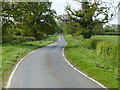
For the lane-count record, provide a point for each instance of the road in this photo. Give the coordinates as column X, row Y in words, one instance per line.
column 46, row 68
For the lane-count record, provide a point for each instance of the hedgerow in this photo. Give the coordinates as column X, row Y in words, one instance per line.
column 16, row 39
column 91, row 43
column 107, row 50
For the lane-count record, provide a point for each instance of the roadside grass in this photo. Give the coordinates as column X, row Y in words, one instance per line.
column 90, row 63
column 107, row 38
column 12, row 53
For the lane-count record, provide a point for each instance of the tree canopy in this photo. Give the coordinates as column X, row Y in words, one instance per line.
column 34, row 19
column 89, row 17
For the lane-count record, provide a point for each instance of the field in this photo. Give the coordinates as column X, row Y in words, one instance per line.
column 12, row 53
column 90, row 63
column 107, row 38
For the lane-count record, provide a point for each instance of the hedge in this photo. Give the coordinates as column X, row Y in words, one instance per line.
column 109, row 50
column 90, row 43
column 16, row 39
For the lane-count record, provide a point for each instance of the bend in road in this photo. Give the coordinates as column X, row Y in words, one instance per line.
column 46, row 68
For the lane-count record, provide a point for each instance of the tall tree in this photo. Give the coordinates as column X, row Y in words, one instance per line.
column 34, row 18
column 89, row 16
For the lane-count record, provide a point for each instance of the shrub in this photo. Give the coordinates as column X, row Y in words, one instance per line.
column 6, row 39
column 108, row 50
column 90, row 43
column 16, row 39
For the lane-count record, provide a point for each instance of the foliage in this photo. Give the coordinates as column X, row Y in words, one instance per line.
column 16, row 39
column 104, row 47
column 12, row 53
column 91, row 43
column 113, row 28
column 33, row 19
column 87, row 17
column 94, row 65
column 109, row 50
column 71, row 28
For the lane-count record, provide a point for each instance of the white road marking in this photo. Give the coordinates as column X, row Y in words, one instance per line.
column 11, row 76
column 82, row 72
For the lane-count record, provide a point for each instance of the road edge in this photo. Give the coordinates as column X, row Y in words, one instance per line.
column 16, row 66
column 81, row 71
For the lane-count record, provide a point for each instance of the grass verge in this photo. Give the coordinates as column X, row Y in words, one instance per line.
column 12, row 53
column 90, row 63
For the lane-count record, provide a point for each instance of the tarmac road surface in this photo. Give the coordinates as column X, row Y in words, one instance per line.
column 46, row 68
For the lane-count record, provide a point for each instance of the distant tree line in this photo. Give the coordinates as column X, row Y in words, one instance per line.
column 111, row 28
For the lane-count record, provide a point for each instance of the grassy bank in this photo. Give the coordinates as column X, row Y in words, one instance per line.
column 107, row 38
column 90, row 63
column 12, row 53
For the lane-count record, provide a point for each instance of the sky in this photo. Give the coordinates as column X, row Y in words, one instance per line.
column 59, row 6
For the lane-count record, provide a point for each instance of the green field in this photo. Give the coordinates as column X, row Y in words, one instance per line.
column 107, row 38
column 12, row 53
column 90, row 63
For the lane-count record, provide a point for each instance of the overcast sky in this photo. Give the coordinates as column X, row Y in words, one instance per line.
column 59, row 6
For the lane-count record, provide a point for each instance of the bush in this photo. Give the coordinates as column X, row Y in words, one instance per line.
column 108, row 50
column 90, row 43
column 6, row 39
column 16, row 39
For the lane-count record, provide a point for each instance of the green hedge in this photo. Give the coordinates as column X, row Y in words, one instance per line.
column 16, row 39
column 109, row 50
column 90, row 43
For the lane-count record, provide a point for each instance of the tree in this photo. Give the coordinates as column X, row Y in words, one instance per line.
column 107, row 28
column 33, row 18
column 88, row 17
